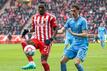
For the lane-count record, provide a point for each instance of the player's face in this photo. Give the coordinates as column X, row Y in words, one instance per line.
column 74, row 12
column 41, row 9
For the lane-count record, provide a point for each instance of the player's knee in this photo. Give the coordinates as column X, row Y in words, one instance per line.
column 62, row 61
column 23, row 44
column 77, row 61
column 30, row 42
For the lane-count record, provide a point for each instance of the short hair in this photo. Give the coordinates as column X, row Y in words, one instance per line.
column 42, row 3
column 76, row 6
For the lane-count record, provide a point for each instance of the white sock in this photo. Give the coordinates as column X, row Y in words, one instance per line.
column 32, row 62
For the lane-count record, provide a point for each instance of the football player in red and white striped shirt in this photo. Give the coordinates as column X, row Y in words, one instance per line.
column 45, row 28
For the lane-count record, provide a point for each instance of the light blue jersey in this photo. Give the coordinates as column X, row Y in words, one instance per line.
column 77, row 27
column 101, row 33
column 80, row 44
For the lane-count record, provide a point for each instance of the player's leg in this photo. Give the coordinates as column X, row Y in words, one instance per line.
column 63, row 62
column 80, row 58
column 102, row 41
column 44, row 56
column 44, row 62
column 31, row 63
column 69, row 54
column 78, row 65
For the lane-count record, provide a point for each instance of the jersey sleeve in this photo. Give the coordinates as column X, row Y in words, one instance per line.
column 84, row 25
column 67, row 24
column 53, row 22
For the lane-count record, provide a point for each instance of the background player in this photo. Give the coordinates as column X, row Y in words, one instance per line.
column 101, row 34
column 44, row 25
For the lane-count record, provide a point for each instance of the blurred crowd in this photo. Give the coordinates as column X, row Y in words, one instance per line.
column 2, row 2
column 16, row 16
column 95, row 11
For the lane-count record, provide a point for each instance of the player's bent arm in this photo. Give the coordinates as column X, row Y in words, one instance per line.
column 83, row 34
column 61, row 30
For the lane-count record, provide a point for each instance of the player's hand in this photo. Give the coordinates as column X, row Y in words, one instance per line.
column 48, row 41
column 25, row 32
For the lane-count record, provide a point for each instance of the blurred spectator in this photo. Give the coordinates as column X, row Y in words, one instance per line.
column 2, row 3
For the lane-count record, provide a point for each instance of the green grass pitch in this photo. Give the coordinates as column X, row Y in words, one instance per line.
column 12, row 58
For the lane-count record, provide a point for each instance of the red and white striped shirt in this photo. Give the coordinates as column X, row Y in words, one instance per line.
column 43, row 26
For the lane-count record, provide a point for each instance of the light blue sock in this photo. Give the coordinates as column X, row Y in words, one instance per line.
column 63, row 67
column 102, row 44
column 79, row 67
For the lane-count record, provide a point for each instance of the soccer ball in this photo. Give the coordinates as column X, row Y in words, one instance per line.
column 29, row 50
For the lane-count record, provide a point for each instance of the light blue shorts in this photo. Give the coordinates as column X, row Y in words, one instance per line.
column 101, row 38
column 71, row 54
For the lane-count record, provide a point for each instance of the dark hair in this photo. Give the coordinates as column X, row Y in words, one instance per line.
column 42, row 3
column 76, row 6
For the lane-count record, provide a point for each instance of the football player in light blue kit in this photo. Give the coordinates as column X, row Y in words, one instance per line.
column 78, row 49
column 101, row 34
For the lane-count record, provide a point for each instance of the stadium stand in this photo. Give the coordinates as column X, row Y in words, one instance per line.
column 2, row 3
column 16, row 16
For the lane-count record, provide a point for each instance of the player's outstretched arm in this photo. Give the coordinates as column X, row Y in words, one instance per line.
column 60, row 31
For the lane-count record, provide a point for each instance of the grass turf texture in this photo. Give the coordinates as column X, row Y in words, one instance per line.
column 12, row 58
